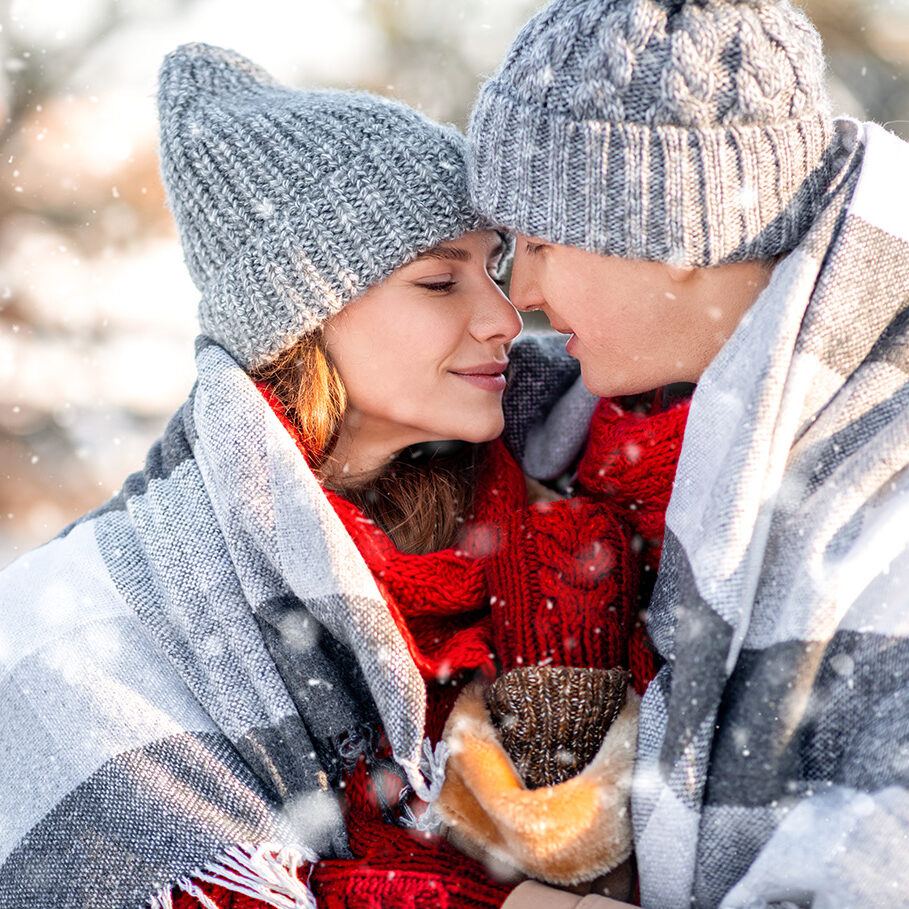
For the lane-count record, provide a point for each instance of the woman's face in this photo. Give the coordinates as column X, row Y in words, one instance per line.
column 422, row 355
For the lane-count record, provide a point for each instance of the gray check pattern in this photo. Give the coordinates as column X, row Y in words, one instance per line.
column 773, row 763
column 186, row 672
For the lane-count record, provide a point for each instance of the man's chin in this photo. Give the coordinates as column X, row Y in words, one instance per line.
column 600, row 385
column 611, row 385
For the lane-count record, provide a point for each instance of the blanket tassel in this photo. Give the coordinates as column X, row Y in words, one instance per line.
column 266, row 873
column 427, row 777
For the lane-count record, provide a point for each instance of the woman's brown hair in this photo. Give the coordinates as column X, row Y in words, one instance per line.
column 419, row 499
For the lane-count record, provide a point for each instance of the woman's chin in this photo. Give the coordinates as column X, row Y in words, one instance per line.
column 485, row 432
column 477, row 430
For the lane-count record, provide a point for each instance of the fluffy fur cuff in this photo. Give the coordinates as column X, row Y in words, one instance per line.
column 564, row 834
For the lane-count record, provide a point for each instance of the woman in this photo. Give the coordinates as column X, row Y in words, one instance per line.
column 240, row 664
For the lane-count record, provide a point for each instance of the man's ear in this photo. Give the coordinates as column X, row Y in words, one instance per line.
column 680, row 273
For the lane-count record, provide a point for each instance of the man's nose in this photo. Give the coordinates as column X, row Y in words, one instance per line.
column 524, row 290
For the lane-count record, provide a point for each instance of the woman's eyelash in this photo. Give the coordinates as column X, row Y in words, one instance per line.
column 439, row 286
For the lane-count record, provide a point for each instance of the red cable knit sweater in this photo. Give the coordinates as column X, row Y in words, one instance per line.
column 560, row 583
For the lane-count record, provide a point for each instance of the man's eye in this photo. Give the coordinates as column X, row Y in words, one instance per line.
column 532, row 248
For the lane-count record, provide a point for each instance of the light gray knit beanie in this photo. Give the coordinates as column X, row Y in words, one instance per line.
column 687, row 131
column 292, row 203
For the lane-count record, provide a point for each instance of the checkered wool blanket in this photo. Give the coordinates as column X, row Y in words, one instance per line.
column 186, row 672
column 774, row 745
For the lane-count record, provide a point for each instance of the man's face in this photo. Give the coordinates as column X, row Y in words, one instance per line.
column 634, row 325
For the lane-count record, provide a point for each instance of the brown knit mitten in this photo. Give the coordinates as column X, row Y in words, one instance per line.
column 552, row 719
column 564, row 834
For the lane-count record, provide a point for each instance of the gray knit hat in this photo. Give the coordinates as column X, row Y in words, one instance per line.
column 292, row 203
column 684, row 131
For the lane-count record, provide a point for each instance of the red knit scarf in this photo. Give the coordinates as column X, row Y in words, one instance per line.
column 561, row 580
column 630, row 462
column 440, row 600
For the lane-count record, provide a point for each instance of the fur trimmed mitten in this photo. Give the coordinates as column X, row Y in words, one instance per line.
column 563, row 834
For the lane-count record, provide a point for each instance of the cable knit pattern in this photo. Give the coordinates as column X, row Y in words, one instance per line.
column 564, row 578
column 564, row 585
column 292, row 203
column 688, row 131
column 630, row 461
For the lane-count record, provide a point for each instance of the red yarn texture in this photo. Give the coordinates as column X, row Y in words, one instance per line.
column 545, row 583
column 630, row 464
column 397, row 867
column 563, row 587
column 440, row 600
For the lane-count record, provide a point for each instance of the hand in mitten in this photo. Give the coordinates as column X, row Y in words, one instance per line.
column 563, row 834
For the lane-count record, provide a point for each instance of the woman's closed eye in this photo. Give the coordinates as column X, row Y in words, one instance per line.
column 437, row 283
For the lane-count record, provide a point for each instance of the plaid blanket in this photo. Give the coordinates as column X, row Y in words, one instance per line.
column 774, row 745
column 186, row 672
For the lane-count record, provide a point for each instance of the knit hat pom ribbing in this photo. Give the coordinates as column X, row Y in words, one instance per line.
column 292, row 203
column 689, row 131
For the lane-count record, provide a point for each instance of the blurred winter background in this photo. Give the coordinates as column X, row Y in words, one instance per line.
column 97, row 313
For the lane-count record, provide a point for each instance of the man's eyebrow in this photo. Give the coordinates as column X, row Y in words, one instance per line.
column 452, row 253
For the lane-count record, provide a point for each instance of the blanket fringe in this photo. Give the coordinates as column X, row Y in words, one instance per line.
column 267, row 873
column 426, row 821
column 427, row 777
column 162, row 900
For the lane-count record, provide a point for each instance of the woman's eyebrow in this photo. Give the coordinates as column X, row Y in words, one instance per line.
column 452, row 253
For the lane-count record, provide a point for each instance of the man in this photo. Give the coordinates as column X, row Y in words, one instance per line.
column 687, row 209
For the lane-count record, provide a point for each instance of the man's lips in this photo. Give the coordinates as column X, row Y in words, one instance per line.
column 489, row 376
column 571, row 343
column 565, row 330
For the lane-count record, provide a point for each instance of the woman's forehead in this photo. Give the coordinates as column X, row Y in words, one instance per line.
column 459, row 249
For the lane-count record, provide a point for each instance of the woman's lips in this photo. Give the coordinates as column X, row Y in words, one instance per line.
column 488, row 376
column 570, row 345
column 490, row 383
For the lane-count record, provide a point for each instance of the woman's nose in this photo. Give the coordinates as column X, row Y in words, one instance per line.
column 495, row 318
